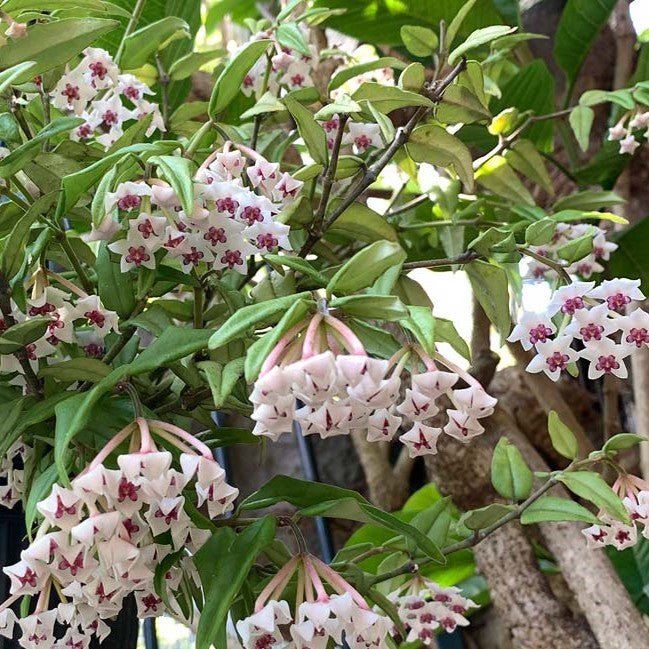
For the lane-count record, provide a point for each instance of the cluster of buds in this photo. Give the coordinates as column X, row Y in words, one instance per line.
column 75, row 318
column 320, row 376
column 12, row 472
column 623, row 131
column 102, row 538
column 96, row 91
column 232, row 217
column 634, row 493
column 319, row 616
column 595, row 316
column 564, row 233
column 425, row 608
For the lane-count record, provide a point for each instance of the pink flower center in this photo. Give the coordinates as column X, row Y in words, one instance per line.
column 232, row 258
column 215, row 235
column 248, row 81
column 172, row 242
column 127, row 489
column 94, row 350
column 539, row 333
column 171, row 516
column 267, row 241
column 131, row 92
column 137, row 255
column 252, row 214
column 557, row 361
column 84, row 131
column 146, row 228
column 28, row 578
column 110, row 118
column 362, row 141
column 617, row 302
column 71, row 92
column 129, row 202
column 61, row 509
column 227, row 205
column 98, row 69
column 41, row 310
column 622, row 536
column 423, row 442
column 95, row 317
column 638, row 336
column 194, row 257
column 591, row 331
column 297, row 80
column 571, row 305
column 607, row 364
column 151, row 602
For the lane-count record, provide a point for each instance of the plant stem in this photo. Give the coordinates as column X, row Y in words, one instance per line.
column 553, row 265
column 45, row 99
column 130, row 28
column 195, row 139
column 256, row 126
column 88, row 286
column 435, row 93
column 463, row 258
column 409, row 205
column 198, row 307
column 163, row 81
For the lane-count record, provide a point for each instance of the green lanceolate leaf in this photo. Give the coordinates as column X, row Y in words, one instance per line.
column 228, row 84
column 12, row 255
column 18, row 71
column 142, row 43
column 259, row 350
column 52, row 44
column 223, row 564
column 525, row 158
column 622, row 441
column 251, row 317
column 433, row 144
column 421, row 324
column 479, row 519
column 581, row 121
column 510, row 476
column 311, row 132
column 419, row 41
column 346, row 73
column 361, row 222
column 19, row 157
column 371, row 306
column 489, row 283
column 540, row 232
column 552, row 509
column 445, row 332
column 179, row 172
column 289, row 35
column 365, row 267
column 563, row 439
column 389, row 98
column 591, row 486
column 22, row 334
column 116, row 289
column 477, row 38
column 186, row 65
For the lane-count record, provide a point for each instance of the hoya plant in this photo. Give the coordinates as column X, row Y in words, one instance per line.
column 172, row 261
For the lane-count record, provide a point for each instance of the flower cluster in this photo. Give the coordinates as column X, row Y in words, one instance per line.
column 103, row 537
column 565, row 233
column 620, row 534
column 75, row 318
column 12, row 472
column 319, row 375
column 228, row 222
column 319, row 616
column 97, row 92
column 362, row 136
column 425, row 608
column 623, row 133
column 595, row 316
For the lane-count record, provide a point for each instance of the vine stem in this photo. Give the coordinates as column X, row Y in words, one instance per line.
column 435, row 93
column 463, row 258
column 130, row 28
column 163, row 81
column 88, row 286
column 471, row 541
column 556, row 267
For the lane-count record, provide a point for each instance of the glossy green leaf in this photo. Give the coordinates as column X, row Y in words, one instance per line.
column 477, row 38
column 228, row 84
column 622, row 441
column 479, row 519
column 12, row 254
column 563, row 439
column 22, row 334
column 223, row 564
column 592, row 199
column 259, row 350
column 310, row 131
column 142, row 43
column 578, row 248
column 524, row 157
column 592, row 487
column 421, row 324
column 581, row 121
column 497, row 176
column 458, row 19
column 296, row 263
column 51, row 44
column 579, row 25
column 116, row 289
column 489, row 283
column 40, row 489
column 289, row 35
column 186, row 65
column 77, row 369
column 346, row 73
column 413, row 77
column 459, row 104
column 362, row 270
column 445, row 332
column 510, row 476
column 267, row 103
column 552, row 509
column 372, row 307
column 18, row 71
column 179, row 173
column 19, row 157
column 388, row 98
column 251, row 317
column 433, row 144
column 540, row 232
column 419, row 41
column 361, row 222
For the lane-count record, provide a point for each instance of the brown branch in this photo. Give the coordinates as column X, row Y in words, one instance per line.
column 463, row 258
column 435, row 93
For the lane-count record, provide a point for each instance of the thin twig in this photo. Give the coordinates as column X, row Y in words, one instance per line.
column 163, row 82
column 88, row 286
column 463, row 258
column 553, row 265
